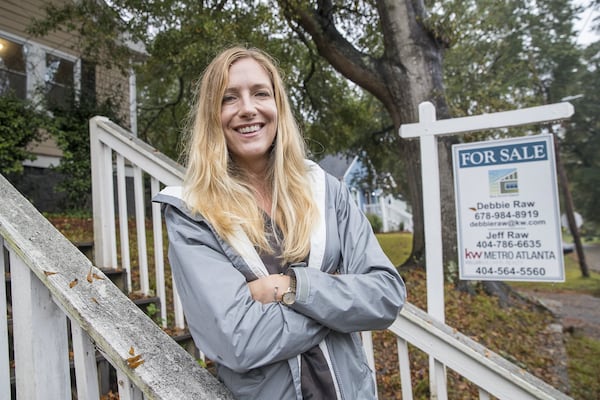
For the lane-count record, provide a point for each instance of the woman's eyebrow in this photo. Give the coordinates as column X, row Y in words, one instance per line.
column 255, row 86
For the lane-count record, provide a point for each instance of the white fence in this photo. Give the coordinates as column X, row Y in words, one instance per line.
column 393, row 214
column 58, row 304
column 113, row 149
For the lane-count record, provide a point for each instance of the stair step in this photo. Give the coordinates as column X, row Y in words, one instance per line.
column 150, row 305
column 117, row 276
column 86, row 247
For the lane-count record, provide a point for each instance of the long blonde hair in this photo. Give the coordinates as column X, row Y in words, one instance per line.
column 219, row 191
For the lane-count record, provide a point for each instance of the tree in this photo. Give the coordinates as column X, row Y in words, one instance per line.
column 581, row 144
column 398, row 59
column 391, row 51
column 71, row 123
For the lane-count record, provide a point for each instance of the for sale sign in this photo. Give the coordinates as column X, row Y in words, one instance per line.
column 507, row 210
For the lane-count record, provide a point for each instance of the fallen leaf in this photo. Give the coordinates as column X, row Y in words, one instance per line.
column 48, row 273
column 73, row 283
column 135, row 361
column 96, row 276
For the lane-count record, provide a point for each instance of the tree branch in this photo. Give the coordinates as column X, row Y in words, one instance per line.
column 331, row 44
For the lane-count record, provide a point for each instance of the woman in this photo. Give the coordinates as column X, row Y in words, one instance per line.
column 276, row 267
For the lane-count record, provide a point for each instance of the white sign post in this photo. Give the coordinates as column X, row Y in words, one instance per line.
column 427, row 130
column 507, row 210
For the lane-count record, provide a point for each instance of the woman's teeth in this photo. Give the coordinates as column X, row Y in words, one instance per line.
column 249, row 129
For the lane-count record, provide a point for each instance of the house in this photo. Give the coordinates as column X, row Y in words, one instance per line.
column 394, row 212
column 52, row 63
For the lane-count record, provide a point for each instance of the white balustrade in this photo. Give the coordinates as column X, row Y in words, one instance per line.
column 53, row 286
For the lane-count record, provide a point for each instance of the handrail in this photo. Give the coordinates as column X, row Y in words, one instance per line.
column 490, row 372
column 114, row 324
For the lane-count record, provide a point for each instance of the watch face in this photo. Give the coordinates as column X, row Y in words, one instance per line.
column 289, row 298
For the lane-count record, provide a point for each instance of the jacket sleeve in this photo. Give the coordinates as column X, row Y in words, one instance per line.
column 369, row 292
column 226, row 323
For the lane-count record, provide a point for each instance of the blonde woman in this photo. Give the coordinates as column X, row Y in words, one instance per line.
column 277, row 268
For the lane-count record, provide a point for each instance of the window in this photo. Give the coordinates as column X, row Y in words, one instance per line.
column 59, row 81
column 13, row 73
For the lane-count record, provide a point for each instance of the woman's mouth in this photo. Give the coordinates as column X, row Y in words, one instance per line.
column 249, row 129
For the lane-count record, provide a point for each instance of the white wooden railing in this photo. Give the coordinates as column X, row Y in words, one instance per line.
column 392, row 216
column 60, row 304
column 113, row 148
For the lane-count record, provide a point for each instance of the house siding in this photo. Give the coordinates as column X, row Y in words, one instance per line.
column 16, row 16
column 38, row 182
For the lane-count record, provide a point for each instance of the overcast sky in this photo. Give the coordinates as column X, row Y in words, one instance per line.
column 585, row 23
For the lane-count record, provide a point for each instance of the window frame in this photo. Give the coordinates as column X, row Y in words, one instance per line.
column 35, row 65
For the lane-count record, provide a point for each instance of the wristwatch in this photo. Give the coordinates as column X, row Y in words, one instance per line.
column 289, row 296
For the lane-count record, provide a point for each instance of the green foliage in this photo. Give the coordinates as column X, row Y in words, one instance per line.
column 580, row 145
column 20, row 124
column 178, row 56
column 72, row 136
column 376, row 222
column 154, row 313
column 506, row 54
column 180, row 39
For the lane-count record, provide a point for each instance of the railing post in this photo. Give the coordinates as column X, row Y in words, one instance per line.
column 86, row 369
column 4, row 355
column 140, row 223
column 40, row 338
column 103, row 205
column 127, row 391
column 404, row 363
column 384, row 214
column 123, row 220
column 159, row 258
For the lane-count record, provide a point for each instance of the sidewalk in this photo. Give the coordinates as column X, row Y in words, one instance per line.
column 579, row 312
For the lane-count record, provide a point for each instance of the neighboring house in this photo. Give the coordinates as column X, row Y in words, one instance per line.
column 394, row 212
column 29, row 63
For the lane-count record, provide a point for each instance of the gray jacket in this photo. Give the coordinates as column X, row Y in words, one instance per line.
column 348, row 286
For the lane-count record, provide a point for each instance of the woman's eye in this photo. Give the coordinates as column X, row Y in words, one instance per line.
column 228, row 98
column 263, row 94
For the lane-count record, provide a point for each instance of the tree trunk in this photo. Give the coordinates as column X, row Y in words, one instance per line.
column 569, row 210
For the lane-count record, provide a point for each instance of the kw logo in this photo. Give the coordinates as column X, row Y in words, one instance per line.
column 472, row 254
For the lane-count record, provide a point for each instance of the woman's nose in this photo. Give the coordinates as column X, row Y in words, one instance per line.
column 247, row 106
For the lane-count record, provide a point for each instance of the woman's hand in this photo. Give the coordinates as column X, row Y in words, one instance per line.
column 270, row 288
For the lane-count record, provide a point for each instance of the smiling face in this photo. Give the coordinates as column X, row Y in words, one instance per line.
column 249, row 114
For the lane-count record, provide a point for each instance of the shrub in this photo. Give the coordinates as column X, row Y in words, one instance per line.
column 20, row 125
column 376, row 222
